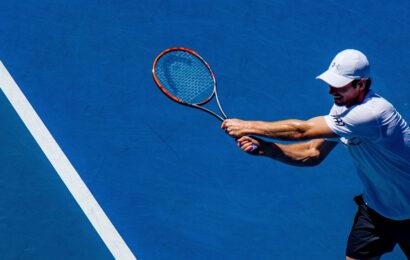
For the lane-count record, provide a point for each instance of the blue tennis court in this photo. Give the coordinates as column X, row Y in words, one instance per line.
column 111, row 168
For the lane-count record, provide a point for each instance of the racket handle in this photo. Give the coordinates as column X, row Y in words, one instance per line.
column 254, row 148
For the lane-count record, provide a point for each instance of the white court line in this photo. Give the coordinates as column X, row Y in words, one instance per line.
column 64, row 168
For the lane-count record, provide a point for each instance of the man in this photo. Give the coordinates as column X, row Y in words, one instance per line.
column 376, row 136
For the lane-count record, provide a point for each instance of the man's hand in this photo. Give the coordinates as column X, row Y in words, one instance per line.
column 247, row 144
column 235, row 127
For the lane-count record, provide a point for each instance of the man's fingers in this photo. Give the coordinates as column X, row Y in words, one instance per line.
column 245, row 138
column 229, row 123
column 248, row 139
column 252, row 148
column 247, row 147
column 241, row 139
column 245, row 144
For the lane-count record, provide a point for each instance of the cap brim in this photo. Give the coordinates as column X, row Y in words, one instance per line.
column 333, row 79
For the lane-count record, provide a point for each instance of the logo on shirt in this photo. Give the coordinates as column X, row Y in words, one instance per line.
column 338, row 121
column 354, row 141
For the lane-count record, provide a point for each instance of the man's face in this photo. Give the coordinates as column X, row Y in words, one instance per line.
column 345, row 96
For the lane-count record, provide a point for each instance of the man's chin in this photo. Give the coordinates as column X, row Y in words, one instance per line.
column 338, row 103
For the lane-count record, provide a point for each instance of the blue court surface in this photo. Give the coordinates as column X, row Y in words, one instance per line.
column 111, row 168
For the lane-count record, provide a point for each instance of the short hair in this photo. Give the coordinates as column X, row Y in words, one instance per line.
column 366, row 87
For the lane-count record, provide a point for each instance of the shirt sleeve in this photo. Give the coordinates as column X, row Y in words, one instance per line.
column 358, row 121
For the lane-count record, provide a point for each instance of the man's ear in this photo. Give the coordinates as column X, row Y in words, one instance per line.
column 361, row 83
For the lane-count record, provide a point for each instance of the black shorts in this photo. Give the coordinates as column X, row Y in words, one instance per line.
column 373, row 235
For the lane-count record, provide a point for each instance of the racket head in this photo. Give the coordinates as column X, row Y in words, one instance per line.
column 184, row 76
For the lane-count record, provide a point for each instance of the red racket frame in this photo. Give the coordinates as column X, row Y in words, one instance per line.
column 169, row 94
column 196, row 105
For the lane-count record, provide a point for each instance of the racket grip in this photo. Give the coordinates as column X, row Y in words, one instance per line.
column 254, row 148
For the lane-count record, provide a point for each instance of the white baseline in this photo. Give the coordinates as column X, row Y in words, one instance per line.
column 64, row 168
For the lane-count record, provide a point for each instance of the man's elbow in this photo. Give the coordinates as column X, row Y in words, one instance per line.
column 301, row 130
column 313, row 162
column 314, row 159
column 308, row 162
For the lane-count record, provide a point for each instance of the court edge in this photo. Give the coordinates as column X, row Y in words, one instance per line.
column 95, row 214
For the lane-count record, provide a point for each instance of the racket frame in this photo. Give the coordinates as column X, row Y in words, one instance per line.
column 180, row 101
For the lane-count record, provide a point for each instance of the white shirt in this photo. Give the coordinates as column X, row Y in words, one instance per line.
column 378, row 139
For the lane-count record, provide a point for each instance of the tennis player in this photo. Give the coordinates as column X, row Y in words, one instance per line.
column 377, row 138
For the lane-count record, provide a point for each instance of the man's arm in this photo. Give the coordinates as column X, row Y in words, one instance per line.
column 309, row 153
column 291, row 129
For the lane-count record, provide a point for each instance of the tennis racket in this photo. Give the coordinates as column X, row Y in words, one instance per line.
column 185, row 77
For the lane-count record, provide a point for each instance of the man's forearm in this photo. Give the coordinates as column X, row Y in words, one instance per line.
column 299, row 154
column 284, row 130
column 291, row 129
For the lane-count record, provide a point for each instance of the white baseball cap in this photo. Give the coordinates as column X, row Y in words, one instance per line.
column 347, row 66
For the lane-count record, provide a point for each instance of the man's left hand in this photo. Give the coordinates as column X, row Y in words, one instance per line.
column 236, row 127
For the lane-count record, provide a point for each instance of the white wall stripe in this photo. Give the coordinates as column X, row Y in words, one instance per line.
column 64, row 168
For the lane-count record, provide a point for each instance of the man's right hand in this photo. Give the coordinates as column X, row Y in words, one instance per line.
column 246, row 143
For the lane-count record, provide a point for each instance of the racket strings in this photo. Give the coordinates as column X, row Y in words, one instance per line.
column 185, row 77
